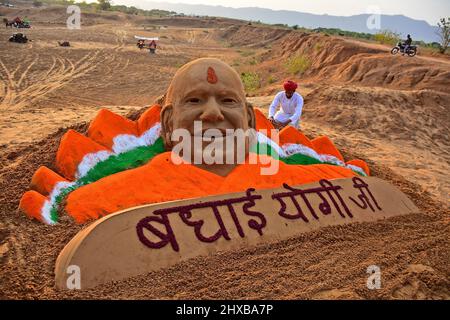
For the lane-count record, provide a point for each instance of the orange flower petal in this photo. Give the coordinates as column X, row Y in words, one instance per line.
column 323, row 145
column 44, row 180
column 108, row 125
column 31, row 204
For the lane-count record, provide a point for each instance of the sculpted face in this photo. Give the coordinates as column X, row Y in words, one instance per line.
column 209, row 91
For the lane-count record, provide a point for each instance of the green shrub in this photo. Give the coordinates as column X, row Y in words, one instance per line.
column 298, row 64
column 246, row 53
column 107, row 5
column 387, row 37
column 336, row 31
column 104, row 4
column 251, row 81
column 318, row 46
column 271, row 79
column 179, row 64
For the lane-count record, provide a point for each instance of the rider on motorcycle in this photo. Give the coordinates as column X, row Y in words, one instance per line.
column 407, row 43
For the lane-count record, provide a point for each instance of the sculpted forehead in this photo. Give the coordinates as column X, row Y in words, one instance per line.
column 208, row 73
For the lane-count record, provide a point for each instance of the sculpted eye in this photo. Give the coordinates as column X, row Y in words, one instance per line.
column 193, row 100
column 228, row 100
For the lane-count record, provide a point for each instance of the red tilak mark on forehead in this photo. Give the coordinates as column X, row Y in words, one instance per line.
column 211, row 77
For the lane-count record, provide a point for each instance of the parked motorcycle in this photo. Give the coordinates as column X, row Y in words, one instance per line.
column 19, row 38
column 21, row 25
column 400, row 47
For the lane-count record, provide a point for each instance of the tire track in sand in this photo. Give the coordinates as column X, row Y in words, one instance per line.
column 18, row 92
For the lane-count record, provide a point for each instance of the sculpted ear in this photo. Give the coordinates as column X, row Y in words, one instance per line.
column 251, row 115
column 161, row 100
column 166, row 125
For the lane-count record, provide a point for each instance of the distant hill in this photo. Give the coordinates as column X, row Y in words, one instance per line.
column 419, row 29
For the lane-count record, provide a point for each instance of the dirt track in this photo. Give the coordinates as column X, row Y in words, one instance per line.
column 392, row 112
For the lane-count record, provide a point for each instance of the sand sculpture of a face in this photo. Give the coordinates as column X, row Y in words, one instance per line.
column 115, row 165
column 210, row 91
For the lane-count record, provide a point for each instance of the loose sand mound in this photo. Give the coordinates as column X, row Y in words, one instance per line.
column 411, row 250
column 406, row 130
column 391, row 72
column 418, row 115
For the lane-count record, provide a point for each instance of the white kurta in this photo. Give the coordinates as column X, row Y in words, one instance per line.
column 291, row 109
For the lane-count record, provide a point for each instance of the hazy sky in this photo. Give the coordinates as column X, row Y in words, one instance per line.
column 429, row 10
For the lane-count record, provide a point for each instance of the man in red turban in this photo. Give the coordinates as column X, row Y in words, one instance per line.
column 290, row 103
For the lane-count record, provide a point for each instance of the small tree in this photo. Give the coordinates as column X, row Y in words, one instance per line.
column 104, row 4
column 444, row 33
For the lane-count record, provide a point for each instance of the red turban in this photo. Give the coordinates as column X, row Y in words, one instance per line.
column 290, row 85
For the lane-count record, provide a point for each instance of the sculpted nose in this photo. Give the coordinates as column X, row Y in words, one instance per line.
column 212, row 112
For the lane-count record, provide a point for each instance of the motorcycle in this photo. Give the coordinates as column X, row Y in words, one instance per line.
column 400, row 47
column 64, row 44
column 19, row 38
column 22, row 25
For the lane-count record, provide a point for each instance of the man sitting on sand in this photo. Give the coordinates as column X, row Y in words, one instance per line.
column 291, row 104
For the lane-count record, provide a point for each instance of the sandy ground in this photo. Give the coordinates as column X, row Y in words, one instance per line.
column 399, row 126
column 45, row 86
